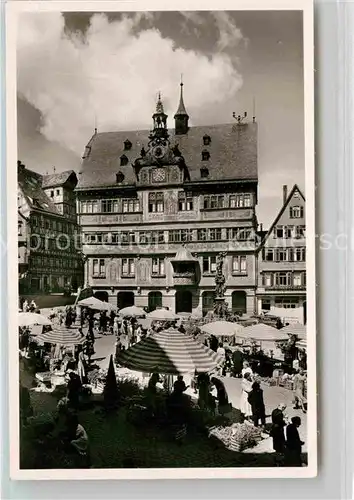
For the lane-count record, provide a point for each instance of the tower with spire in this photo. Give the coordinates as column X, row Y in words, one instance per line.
column 160, row 120
column 181, row 117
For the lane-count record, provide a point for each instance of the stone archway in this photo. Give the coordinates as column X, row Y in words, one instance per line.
column 154, row 300
column 101, row 296
column 239, row 302
column 125, row 299
column 184, row 301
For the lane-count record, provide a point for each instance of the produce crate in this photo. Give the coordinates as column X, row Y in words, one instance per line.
column 236, row 445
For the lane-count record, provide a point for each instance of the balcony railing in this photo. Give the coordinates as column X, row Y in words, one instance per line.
column 285, row 287
column 186, row 278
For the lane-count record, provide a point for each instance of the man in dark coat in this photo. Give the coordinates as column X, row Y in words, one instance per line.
column 277, row 430
column 237, row 361
column 255, row 399
column 293, row 444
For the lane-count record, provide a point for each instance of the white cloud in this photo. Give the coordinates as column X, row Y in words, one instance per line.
column 113, row 73
column 230, row 35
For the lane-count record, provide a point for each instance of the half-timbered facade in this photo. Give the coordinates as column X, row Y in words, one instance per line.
column 49, row 253
column 282, row 259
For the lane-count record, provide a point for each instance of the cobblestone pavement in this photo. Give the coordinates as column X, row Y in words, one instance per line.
column 273, row 396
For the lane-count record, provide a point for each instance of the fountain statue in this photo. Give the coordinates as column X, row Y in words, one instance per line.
column 220, row 306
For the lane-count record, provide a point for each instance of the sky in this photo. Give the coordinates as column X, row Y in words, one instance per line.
column 76, row 71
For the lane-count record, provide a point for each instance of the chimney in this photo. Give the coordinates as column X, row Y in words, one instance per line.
column 285, row 193
column 261, row 227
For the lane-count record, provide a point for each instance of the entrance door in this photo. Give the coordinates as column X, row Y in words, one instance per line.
column 101, row 296
column 155, row 300
column 125, row 299
column 208, row 299
column 239, row 302
column 183, row 301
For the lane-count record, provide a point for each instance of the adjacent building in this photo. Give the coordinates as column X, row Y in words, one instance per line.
column 156, row 207
column 49, row 253
column 282, row 260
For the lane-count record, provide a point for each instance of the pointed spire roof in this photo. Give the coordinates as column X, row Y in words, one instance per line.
column 181, row 107
column 159, row 105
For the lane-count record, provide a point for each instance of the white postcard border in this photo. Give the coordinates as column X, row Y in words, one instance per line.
column 13, row 10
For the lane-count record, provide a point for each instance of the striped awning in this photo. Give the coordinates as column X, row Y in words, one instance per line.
column 169, row 351
column 62, row 336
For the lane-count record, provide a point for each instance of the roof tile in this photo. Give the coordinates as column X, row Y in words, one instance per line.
column 233, row 154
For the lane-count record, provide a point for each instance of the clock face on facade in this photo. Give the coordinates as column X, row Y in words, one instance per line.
column 158, row 152
column 159, row 175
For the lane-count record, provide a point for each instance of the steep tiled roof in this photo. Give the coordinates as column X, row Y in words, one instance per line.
column 233, row 154
column 30, row 184
column 282, row 210
column 59, row 179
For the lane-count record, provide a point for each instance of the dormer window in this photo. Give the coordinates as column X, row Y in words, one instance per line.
column 127, row 145
column 87, row 152
column 123, row 160
column 204, row 172
column 205, row 155
column 206, row 140
column 119, row 177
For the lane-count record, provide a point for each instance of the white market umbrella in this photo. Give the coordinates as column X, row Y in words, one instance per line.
column 29, row 319
column 295, row 329
column 263, row 333
column 96, row 304
column 162, row 315
column 222, row 328
column 132, row 311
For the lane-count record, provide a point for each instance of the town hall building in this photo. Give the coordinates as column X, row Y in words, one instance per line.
column 156, row 207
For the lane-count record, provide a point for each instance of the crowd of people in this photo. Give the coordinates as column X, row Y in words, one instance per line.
column 211, row 392
column 286, row 439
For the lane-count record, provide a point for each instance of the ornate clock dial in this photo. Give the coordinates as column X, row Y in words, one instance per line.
column 159, row 175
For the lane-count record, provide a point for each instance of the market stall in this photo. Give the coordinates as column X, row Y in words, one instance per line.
column 63, row 341
column 96, row 304
column 222, row 328
column 162, row 315
column 169, row 352
column 132, row 312
column 30, row 319
column 295, row 329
